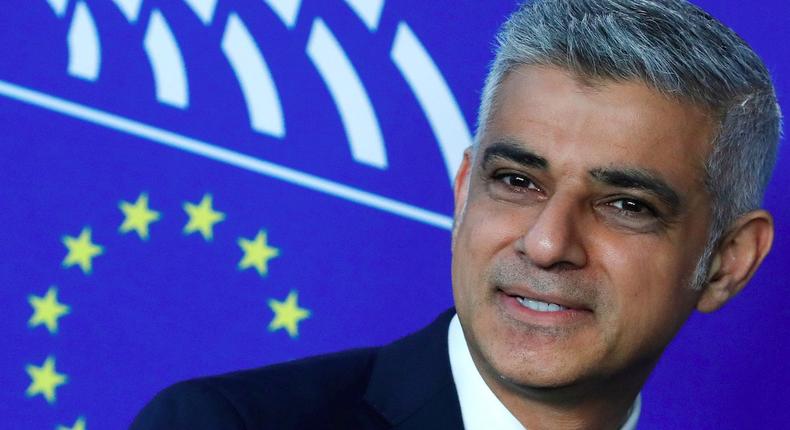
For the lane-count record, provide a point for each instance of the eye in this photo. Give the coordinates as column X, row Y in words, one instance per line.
column 632, row 207
column 631, row 214
column 517, row 181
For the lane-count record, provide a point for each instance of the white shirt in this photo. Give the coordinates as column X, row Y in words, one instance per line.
column 480, row 407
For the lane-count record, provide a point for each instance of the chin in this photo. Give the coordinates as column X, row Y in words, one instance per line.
column 529, row 376
column 531, row 361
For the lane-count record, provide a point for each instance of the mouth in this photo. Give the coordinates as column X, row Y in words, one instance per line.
column 542, row 309
column 543, row 302
column 540, row 306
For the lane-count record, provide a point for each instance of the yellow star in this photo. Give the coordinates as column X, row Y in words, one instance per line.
column 47, row 310
column 202, row 217
column 81, row 250
column 138, row 216
column 287, row 314
column 44, row 379
column 78, row 425
column 257, row 253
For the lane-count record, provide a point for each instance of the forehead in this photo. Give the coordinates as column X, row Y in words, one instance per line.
column 624, row 124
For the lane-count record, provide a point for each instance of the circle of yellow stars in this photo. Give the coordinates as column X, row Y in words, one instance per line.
column 138, row 217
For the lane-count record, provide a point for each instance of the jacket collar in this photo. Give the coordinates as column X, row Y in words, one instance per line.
column 411, row 384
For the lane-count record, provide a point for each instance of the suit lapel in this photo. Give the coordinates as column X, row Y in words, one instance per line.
column 411, row 385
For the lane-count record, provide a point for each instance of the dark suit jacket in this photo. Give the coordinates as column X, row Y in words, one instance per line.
column 405, row 385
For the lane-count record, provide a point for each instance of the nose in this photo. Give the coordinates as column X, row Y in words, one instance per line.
column 553, row 241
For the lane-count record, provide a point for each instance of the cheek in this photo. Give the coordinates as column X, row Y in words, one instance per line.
column 641, row 267
column 492, row 229
column 481, row 235
column 649, row 295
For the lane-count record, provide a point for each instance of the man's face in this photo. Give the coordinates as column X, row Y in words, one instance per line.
column 579, row 222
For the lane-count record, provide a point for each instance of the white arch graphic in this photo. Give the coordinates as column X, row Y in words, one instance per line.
column 204, row 9
column 58, row 6
column 255, row 79
column 167, row 65
column 369, row 11
column 223, row 155
column 356, row 111
column 84, row 45
column 129, row 8
column 287, row 10
column 433, row 95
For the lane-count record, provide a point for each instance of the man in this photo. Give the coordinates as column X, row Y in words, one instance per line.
column 622, row 152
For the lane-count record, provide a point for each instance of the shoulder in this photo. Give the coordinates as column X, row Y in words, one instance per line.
column 408, row 380
column 293, row 395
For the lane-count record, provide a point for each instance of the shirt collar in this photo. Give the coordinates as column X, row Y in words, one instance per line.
column 480, row 408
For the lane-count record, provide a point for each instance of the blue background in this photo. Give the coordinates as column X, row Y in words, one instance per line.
column 176, row 306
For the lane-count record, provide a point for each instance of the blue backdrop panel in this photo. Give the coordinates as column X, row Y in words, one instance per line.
column 192, row 187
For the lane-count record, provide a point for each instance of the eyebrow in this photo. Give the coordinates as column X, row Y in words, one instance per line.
column 642, row 180
column 510, row 150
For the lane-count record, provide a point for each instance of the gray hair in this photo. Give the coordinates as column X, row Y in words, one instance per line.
column 675, row 48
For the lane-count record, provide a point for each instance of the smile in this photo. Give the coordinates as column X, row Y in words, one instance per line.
column 545, row 310
column 538, row 306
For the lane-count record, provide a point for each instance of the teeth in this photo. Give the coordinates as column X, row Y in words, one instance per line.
column 539, row 306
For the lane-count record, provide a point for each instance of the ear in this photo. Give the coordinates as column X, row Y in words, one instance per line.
column 737, row 258
column 461, row 184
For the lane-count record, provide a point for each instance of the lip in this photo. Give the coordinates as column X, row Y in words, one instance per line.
column 574, row 313
column 548, row 298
